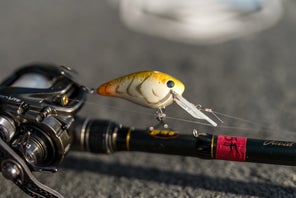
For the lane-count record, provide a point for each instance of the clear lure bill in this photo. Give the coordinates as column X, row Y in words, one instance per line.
column 151, row 89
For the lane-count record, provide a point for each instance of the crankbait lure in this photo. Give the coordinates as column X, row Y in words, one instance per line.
column 151, row 89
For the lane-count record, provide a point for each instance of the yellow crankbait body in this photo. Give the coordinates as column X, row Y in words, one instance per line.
column 148, row 88
column 151, row 89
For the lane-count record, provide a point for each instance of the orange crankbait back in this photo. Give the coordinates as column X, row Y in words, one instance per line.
column 151, row 89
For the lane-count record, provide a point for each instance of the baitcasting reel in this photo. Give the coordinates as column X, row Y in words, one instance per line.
column 38, row 104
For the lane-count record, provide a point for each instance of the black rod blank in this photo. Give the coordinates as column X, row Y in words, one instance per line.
column 103, row 136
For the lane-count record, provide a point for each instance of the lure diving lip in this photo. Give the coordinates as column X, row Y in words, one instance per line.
column 151, row 89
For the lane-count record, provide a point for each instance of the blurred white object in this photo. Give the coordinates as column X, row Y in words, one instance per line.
column 199, row 21
column 32, row 80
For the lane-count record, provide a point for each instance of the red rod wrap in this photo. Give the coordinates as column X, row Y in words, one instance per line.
column 231, row 148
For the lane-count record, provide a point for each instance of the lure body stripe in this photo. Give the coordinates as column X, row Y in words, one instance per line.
column 151, row 89
column 129, row 90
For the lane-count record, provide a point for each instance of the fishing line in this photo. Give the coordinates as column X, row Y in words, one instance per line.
column 115, row 108
column 91, row 91
column 262, row 125
column 193, row 121
column 215, row 113
column 190, row 121
column 237, row 118
column 182, row 102
column 206, row 124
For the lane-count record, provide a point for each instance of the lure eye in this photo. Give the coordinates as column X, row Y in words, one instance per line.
column 170, row 84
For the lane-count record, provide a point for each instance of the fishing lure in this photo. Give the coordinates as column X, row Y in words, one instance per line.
column 151, row 89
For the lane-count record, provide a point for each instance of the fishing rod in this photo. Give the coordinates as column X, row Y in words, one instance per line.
column 39, row 125
column 104, row 136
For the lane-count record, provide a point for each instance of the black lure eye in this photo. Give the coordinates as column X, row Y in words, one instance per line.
column 170, row 84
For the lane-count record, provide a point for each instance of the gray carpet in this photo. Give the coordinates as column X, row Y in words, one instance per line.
column 252, row 78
